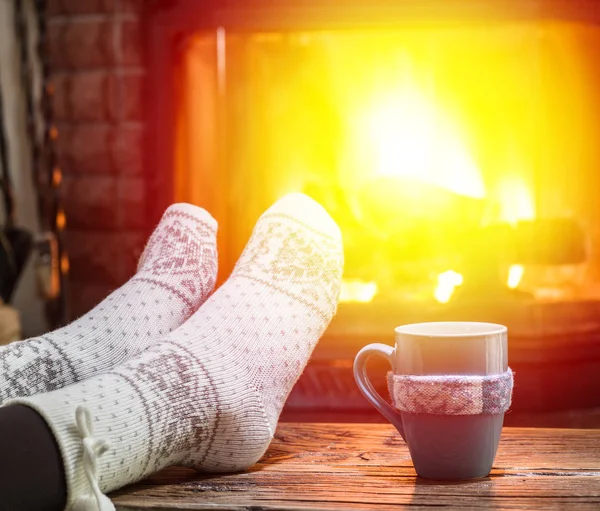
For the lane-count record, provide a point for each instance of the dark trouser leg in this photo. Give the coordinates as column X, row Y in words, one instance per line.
column 31, row 470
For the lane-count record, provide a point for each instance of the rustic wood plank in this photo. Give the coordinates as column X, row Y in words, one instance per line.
column 368, row 467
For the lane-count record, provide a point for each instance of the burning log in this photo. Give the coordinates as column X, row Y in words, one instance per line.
column 537, row 242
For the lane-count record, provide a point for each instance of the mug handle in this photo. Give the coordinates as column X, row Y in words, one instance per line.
column 366, row 387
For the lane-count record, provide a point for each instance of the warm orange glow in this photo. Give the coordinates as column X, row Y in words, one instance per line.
column 61, row 220
column 354, row 290
column 515, row 274
column 447, row 281
column 64, row 264
column 412, row 139
column 56, row 177
column 515, row 200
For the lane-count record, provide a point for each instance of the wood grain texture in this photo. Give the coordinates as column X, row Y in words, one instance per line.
column 368, row 467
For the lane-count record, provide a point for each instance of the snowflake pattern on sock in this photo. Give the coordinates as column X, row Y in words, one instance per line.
column 176, row 273
column 209, row 394
column 304, row 268
column 170, row 259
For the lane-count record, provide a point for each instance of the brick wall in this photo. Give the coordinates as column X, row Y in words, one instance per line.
column 98, row 72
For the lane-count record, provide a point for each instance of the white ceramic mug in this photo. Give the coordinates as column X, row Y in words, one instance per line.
column 442, row 446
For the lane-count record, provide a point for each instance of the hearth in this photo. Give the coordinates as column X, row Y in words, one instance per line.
column 453, row 142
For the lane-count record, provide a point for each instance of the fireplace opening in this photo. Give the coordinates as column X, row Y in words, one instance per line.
column 459, row 160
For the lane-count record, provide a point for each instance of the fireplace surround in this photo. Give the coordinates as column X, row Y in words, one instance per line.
column 197, row 80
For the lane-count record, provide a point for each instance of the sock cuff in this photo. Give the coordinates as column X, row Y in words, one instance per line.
column 451, row 394
column 60, row 418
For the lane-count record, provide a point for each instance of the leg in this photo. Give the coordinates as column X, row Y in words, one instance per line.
column 176, row 273
column 210, row 393
column 32, row 475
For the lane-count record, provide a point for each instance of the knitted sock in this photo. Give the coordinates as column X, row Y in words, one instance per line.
column 176, row 273
column 451, row 394
column 210, row 394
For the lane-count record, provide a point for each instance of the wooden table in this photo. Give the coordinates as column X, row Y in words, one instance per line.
column 367, row 466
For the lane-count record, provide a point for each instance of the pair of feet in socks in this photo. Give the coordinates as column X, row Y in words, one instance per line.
column 162, row 372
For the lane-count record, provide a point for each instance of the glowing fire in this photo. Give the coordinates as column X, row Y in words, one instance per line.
column 447, row 281
column 515, row 200
column 449, row 107
column 515, row 274
column 354, row 290
column 412, row 139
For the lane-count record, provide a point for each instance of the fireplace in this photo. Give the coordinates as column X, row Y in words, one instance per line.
column 453, row 142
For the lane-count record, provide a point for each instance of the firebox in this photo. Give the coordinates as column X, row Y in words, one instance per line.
column 453, row 142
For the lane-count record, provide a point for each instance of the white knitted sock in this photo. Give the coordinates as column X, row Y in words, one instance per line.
column 210, row 394
column 176, row 273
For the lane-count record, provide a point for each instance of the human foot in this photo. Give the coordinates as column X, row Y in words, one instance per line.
column 210, row 394
column 176, row 273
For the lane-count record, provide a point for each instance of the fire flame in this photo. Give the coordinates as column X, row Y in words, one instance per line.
column 515, row 199
column 515, row 274
column 447, row 281
column 358, row 291
column 412, row 139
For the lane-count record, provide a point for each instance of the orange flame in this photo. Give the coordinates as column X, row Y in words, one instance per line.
column 412, row 139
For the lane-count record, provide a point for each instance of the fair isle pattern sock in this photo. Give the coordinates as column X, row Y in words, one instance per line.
column 176, row 273
column 209, row 395
column 451, row 394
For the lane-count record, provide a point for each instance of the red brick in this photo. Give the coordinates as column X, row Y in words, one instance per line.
column 81, row 44
column 61, row 100
column 55, row 7
column 86, row 149
column 131, row 44
column 87, row 96
column 131, row 199
column 104, row 258
column 95, row 257
column 133, row 6
column 84, row 296
column 132, row 87
column 129, row 146
column 90, row 202
column 80, row 6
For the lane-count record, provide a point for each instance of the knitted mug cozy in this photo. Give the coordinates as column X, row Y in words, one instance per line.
column 451, row 394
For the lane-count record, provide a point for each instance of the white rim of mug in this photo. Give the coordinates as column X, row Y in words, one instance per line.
column 485, row 329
